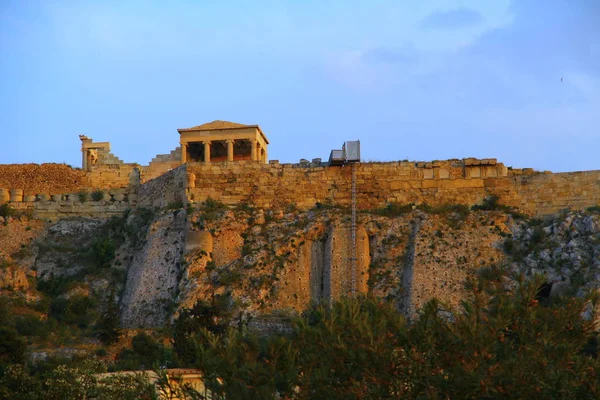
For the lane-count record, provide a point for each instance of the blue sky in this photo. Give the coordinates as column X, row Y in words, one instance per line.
column 420, row 80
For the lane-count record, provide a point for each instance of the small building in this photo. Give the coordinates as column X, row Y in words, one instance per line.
column 223, row 141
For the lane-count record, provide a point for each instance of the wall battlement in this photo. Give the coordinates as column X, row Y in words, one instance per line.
column 466, row 181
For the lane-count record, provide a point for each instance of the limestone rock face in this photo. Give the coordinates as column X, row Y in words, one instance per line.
column 62, row 251
column 154, row 273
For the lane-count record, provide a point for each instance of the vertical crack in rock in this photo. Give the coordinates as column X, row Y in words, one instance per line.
column 317, row 270
column 406, row 303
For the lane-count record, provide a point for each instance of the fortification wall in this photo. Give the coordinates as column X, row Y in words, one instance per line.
column 161, row 164
column 42, row 178
column 164, row 190
column 53, row 210
column 104, row 176
column 466, row 181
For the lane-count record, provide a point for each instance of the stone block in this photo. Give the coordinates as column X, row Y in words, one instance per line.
column 430, row 184
column 428, row 173
column 57, row 197
column 30, row 198
column 16, row 195
column 474, row 172
column 4, row 196
column 43, row 197
column 490, row 171
column 444, row 173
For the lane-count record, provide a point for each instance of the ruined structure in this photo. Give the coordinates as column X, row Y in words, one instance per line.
column 223, row 141
column 227, row 161
column 292, row 251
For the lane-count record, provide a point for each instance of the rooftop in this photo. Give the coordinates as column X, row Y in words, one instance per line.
column 218, row 124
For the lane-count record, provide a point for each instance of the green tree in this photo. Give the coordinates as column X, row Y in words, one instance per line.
column 107, row 327
column 212, row 316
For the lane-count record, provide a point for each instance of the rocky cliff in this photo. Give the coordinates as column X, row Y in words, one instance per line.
column 154, row 263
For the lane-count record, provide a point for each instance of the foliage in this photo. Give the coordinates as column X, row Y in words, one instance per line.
column 6, row 210
column 77, row 310
column 210, row 210
column 12, row 347
column 593, row 209
column 175, row 205
column 394, row 210
column 103, row 251
column 501, row 343
column 210, row 315
column 107, row 326
column 98, row 195
column 74, row 382
column 84, row 196
column 144, row 352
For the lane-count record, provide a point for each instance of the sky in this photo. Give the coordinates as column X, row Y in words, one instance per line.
column 429, row 80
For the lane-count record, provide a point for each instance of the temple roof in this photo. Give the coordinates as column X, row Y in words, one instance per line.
column 220, row 125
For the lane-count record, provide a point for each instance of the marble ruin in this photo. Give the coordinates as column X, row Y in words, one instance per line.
column 229, row 162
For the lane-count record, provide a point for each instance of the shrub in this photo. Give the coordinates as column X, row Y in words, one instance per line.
column 594, row 209
column 6, row 210
column 103, row 251
column 490, row 203
column 212, row 205
column 394, row 210
column 77, row 310
column 175, row 205
column 144, row 352
column 84, row 196
column 98, row 195
column 501, row 343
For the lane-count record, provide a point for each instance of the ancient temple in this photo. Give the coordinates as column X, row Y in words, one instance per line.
column 223, row 141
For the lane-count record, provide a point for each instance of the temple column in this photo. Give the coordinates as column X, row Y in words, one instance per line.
column 184, row 153
column 230, row 149
column 253, row 144
column 83, row 158
column 207, row 152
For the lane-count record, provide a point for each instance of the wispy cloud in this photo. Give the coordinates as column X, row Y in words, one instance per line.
column 405, row 54
column 452, row 19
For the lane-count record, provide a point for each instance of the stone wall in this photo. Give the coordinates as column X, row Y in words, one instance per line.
column 161, row 164
column 466, row 181
column 110, row 176
column 64, row 206
column 167, row 189
column 45, row 178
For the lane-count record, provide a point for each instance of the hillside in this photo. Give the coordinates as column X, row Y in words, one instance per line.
column 152, row 264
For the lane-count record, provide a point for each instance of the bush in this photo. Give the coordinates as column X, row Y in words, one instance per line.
column 144, row 352
column 12, row 347
column 103, row 251
column 77, row 310
column 84, row 196
column 501, row 343
column 6, row 210
column 394, row 210
column 98, row 195
column 175, row 205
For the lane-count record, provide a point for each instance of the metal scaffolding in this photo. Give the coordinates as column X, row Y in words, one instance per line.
column 353, row 233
